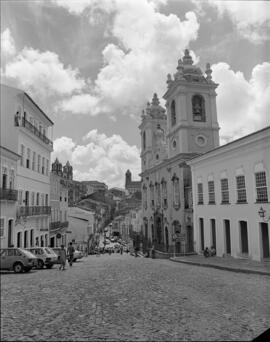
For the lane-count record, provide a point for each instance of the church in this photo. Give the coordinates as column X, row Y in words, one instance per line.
column 169, row 139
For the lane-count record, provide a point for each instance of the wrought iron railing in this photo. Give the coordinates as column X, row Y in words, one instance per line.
column 30, row 127
column 33, row 211
column 8, row 194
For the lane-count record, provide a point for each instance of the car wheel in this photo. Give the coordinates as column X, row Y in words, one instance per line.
column 74, row 260
column 18, row 267
column 27, row 269
column 40, row 264
column 49, row 266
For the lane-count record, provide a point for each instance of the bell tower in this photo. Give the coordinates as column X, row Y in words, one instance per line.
column 192, row 125
column 153, row 134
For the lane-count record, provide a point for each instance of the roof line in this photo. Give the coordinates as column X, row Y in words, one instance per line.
column 232, row 142
column 38, row 107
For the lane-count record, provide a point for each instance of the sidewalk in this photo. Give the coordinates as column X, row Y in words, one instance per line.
column 227, row 263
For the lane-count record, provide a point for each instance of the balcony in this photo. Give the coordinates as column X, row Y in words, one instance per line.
column 31, row 128
column 33, row 211
column 8, row 194
column 58, row 224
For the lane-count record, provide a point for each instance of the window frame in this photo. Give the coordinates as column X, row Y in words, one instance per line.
column 261, row 187
column 241, row 191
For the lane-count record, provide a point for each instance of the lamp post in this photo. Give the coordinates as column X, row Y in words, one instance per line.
column 261, row 213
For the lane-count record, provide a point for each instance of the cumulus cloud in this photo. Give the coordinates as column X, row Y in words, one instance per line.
column 42, row 73
column 148, row 45
column 7, row 44
column 252, row 18
column 73, row 6
column 242, row 105
column 101, row 158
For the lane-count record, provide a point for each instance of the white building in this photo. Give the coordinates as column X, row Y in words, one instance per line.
column 81, row 227
column 8, row 194
column 59, row 206
column 231, row 185
column 26, row 127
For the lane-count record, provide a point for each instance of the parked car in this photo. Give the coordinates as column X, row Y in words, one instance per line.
column 45, row 255
column 77, row 255
column 17, row 259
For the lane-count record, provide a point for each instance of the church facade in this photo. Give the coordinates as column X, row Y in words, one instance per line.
column 169, row 138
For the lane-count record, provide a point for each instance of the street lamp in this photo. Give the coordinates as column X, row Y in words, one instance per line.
column 261, row 213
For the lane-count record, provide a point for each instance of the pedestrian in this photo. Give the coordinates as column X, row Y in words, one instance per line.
column 206, row 252
column 212, row 251
column 121, row 249
column 62, row 258
column 70, row 251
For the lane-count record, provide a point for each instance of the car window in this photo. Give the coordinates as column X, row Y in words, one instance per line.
column 28, row 254
column 17, row 252
column 3, row 252
column 48, row 250
column 10, row 252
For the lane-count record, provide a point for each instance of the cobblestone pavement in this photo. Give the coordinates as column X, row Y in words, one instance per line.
column 122, row 298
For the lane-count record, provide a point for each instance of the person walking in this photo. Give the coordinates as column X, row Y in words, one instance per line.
column 121, row 249
column 70, row 251
column 63, row 258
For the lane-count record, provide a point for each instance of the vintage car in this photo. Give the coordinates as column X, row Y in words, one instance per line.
column 17, row 259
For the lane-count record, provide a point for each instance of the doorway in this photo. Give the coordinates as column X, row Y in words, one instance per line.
column 213, row 232
column 265, row 240
column 202, row 232
column 244, row 237
column 10, row 233
column 19, row 239
column 227, row 236
column 189, row 239
column 52, row 242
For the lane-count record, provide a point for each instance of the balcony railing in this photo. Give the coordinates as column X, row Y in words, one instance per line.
column 58, row 224
column 33, row 211
column 8, row 194
column 30, row 127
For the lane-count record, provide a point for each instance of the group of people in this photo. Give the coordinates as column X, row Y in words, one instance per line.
column 209, row 252
column 66, row 255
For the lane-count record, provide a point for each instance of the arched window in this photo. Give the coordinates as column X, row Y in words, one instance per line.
column 173, row 113
column 198, row 108
column 144, row 140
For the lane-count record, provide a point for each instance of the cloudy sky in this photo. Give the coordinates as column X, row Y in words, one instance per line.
column 93, row 64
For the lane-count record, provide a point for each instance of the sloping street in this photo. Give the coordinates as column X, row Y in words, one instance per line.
column 122, row 298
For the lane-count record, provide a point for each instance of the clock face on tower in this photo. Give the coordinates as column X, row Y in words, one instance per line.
column 201, row 140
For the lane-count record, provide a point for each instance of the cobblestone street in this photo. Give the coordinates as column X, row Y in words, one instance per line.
column 122, row 298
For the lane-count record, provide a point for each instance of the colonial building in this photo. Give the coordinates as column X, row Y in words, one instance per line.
column 168, row 141
column 27, row 127
column 81, row 227
column 59, row 204
column 231, row 197
column 8, row 194
column 94, row 186
column 130, row 185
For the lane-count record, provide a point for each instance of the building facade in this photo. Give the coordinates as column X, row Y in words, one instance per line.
column 169, row 138
column 130, row 185
column 81, row 226
column 94, row 186
column 8, row 194
column 231, row 196
column 59, row 205
column 27, row 128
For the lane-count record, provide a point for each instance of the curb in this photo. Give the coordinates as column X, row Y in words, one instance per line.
column 224, row 268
